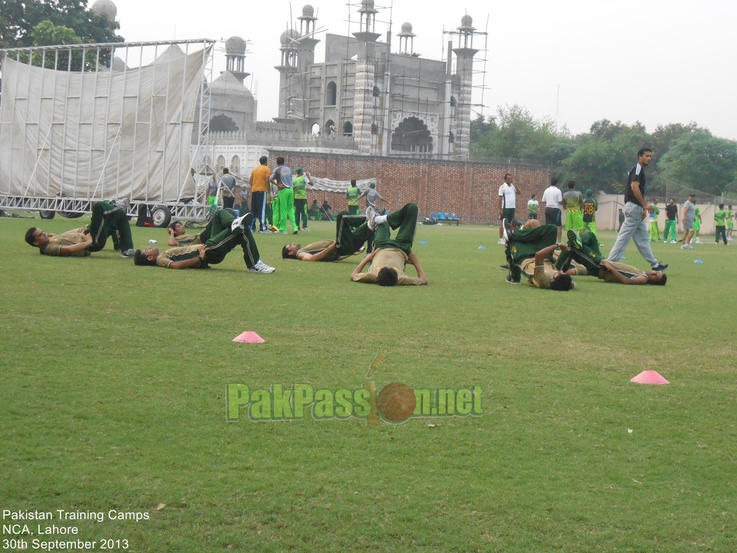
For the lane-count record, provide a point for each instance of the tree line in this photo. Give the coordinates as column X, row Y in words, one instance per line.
column 686, row 157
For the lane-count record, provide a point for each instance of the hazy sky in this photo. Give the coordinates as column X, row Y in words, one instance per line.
column 653, row 61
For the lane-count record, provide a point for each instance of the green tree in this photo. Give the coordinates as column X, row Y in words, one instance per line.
column 515, row 133
column 605, row 155
column 701, row 161
column 19, row 18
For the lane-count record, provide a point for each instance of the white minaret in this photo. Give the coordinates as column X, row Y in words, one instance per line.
column 464, row 69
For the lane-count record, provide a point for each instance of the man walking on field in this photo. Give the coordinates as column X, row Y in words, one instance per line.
column 636, row 208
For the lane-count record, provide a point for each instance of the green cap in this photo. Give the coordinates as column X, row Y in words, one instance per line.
column 589, row 192
column 300, row 170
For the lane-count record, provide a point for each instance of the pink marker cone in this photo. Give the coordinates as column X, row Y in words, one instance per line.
column 249, row 338
column 649, row 377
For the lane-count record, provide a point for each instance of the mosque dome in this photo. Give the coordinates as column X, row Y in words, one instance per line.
column 235, row 45
column 308, row 10
column 367, row 4
column 406, row 27
column 466, row 21
column 289, row 33
column 105, row 7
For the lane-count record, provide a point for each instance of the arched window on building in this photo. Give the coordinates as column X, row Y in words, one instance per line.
column 235, row 165
column 347, row 128
column 315, row 129
column 220, row 164
column 412, row 135
column 330, row 129
column 331, row 94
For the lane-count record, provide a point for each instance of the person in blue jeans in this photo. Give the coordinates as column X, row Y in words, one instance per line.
column 636, row 208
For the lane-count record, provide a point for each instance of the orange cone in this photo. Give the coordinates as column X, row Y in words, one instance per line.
column 649, row 377
column 249, row 337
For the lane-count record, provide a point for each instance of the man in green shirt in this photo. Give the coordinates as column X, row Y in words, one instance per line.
column 730, row 223
column 719, row 220
column 353, row 193
column 590, row 207
column 654, row 230
column 299, row 185
column 697, row 225
column 532, row 206
column 574, row 203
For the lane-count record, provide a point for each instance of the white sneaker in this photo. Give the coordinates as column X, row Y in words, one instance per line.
column 370, row 216
column 261, row 267
column 501, row 241
column 673, row 242
column 699, row 241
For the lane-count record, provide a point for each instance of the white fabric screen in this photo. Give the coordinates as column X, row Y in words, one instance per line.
column 105, row 134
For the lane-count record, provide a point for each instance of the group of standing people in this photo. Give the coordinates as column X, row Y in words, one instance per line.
column 278, row 197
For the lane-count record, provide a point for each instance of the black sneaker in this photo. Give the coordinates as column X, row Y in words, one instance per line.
column 510, row 280
column 128, row 253
column 505, row 266
column 660, row 267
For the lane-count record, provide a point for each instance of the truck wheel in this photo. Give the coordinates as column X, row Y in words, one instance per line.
column 161, row 216
column 47, row 214
column 70, row 214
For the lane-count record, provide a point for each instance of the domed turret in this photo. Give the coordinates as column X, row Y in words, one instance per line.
column 308, row 11
column 289, row 36
column 235, row 45
column 467, row 21
column 105, row 7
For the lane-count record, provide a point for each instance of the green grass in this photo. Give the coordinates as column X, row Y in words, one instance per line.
column 114, row 377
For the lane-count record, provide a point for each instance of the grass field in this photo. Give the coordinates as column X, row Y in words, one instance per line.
column 114, row 382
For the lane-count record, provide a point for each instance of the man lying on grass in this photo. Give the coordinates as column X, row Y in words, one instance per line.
column 586, row 252
column 611, row 271
column 528, row 250
column 390, row 256
column 226, row 233
column 108, row 220
column 351, row 232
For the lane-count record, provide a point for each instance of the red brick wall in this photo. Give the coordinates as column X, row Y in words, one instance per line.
column 468, row 189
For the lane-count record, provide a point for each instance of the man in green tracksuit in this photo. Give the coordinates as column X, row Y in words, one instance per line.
column 590, row 207
column 108, row 220
column 351, row 232
column 585, row 252
column 730, row 223
column 282, row 179
column 299, row 185
column 223, row 233
column 391, row 255
column 654, row 230
column 353, row 193
column 719, row 220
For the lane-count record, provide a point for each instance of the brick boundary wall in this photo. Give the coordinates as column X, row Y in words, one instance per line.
column 469, row 189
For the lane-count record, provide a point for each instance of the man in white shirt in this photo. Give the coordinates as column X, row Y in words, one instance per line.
column 553, row 199
column 507, row 202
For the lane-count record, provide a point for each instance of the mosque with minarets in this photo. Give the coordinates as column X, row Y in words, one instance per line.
column 368, row 97
column 363, row 98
